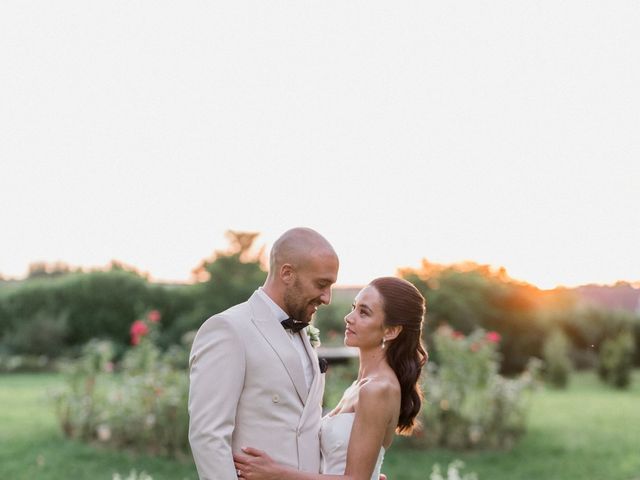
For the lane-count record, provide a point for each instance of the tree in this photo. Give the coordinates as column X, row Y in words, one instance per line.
column 468, row 296
column 44, row 269
column 230, row 276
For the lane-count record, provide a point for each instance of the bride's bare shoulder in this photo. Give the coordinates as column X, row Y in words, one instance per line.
column 381, row 389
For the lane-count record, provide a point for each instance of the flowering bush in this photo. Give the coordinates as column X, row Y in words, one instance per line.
column 467, row 403
column 143, row 406
column 138, row 330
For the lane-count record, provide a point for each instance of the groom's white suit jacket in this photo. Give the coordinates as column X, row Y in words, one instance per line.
column 247, row 389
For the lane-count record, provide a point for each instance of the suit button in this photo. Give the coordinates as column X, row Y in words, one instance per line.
column 275, row 398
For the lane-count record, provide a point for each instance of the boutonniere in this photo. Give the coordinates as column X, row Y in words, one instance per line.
column 314, row 336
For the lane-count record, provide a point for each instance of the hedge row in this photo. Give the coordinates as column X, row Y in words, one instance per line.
column 46, row 316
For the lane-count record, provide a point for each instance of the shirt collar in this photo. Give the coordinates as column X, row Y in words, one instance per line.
column 278, row 312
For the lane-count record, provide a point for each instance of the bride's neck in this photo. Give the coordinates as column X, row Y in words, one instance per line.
column 371, row 361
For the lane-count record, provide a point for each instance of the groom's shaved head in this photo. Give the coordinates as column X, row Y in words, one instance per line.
column 303, row 266
column 297, row 247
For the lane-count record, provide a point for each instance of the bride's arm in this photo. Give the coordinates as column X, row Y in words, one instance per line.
column 369, row 427
column 373, row 415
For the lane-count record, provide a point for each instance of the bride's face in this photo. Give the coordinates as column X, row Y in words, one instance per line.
column 365, row 322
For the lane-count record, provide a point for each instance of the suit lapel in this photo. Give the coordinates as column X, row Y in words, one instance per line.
column 313, row 356
column 280, row 342
column 315, row 392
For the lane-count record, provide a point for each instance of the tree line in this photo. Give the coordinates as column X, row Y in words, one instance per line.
column 57, row 310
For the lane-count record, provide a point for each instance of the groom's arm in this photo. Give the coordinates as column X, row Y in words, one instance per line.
column 217, row 367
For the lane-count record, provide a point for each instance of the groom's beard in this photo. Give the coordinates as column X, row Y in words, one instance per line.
column 298, row 308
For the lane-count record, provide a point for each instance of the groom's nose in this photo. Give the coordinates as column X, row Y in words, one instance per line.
column 325, row 298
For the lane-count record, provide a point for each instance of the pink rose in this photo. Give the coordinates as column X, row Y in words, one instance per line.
column 493, row 337
column 154, row 316
column 138, row 329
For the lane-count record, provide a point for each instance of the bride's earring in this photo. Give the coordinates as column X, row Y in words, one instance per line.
column 383, row 343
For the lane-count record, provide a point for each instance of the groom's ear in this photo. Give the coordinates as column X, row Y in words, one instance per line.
column 391, row 333
column 287, row 273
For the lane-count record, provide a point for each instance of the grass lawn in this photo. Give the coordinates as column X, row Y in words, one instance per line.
column 32, row 446
column 588, row 433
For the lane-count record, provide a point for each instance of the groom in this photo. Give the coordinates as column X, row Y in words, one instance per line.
column 254, row 377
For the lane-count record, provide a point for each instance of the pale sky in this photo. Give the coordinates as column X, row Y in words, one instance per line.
column 504, row 132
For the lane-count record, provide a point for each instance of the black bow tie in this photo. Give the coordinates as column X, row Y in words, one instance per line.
column 293, row 325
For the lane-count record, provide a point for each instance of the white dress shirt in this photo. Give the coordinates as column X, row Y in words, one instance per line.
column 296, row 339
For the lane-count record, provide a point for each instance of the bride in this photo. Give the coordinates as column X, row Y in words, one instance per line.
column 385, row 324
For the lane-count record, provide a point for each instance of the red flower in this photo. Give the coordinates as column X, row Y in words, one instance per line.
column 493, row 337
column 138, row 329
column 457, row 334
column 154, row 316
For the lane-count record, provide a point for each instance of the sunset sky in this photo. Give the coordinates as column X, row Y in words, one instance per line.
column 503, row 132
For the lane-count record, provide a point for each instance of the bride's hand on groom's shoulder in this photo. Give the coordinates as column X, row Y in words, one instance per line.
column 256, row 465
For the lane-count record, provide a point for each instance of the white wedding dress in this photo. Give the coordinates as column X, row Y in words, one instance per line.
column 335, row 431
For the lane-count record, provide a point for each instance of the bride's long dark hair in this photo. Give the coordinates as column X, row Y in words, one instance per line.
column 404, row 305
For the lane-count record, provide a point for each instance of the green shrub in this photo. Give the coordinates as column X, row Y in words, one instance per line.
column 589, row 326
column 143, row 407
column 72, row 308
column 636, row 337
column 467, row 403
column 53, row 315
column 616, row 360
column 557, row 361
column 45, row 334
